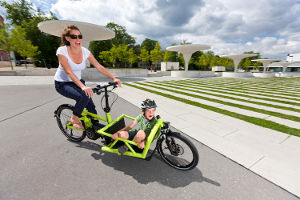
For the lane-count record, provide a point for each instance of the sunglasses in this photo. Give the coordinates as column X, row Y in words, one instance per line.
column 76, row 36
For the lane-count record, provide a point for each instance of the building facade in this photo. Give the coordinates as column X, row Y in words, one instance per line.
column 295, row 57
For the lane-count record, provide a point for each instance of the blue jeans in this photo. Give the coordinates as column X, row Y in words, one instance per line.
column 72, row 91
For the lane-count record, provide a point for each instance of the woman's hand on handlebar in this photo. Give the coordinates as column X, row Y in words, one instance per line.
column 88, row 91
column 117, row 81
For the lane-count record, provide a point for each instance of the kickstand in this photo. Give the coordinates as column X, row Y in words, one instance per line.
column 148, row 158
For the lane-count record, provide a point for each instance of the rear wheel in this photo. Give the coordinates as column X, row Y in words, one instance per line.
column 178, row 152
column 64, row 114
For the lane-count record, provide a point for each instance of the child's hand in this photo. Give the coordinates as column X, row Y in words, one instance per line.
column 115, row 135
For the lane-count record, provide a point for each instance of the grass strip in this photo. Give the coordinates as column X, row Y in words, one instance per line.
column 238, row 85
column 254, row 87
column 224, row 96
column 274, row 85
column 279, row 82
column 254, row 120
column 231, row 92
column 247, row 91
column 272, row 113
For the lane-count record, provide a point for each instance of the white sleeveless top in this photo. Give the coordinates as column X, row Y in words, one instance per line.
column 60, row 74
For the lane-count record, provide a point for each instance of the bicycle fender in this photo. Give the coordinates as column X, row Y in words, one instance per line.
column 172, row 133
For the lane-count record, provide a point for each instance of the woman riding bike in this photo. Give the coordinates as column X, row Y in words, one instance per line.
column 72, row 60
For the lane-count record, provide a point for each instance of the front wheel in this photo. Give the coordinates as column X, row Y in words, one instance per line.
column 178, row 152
column 63, row 116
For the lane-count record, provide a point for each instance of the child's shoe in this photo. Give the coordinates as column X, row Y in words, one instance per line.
column 122, row 149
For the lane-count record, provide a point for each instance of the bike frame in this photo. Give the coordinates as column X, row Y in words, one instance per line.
column 153, row 135
column 86, row 119
column 161, row 131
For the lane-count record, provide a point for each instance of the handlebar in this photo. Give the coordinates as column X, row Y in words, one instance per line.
column 98, row 89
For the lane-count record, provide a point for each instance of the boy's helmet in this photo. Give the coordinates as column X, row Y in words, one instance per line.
column 147, row 104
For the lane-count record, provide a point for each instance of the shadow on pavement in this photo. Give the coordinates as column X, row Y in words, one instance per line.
column 144, row 171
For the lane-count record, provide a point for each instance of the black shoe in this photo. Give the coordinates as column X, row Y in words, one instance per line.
column 122, row 149
column 107, row 140
column 97, row 126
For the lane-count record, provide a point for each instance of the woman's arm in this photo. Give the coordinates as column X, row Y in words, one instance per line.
column 102, row 70
column 68, row 70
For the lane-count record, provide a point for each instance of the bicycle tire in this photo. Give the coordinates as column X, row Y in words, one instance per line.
column 64, row 114
column 171, row 153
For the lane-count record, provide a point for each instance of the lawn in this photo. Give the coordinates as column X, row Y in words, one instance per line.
column 277, row 97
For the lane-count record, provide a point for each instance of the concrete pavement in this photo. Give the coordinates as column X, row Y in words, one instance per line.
column 272, row 155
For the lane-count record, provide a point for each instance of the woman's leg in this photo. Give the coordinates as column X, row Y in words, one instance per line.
column 72, row 91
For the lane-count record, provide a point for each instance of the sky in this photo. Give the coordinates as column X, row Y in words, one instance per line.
column 271, row 27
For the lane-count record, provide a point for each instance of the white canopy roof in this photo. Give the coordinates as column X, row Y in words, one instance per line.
column 265, row 62
column 89, row 31
column 188, row 48
column 238, row 57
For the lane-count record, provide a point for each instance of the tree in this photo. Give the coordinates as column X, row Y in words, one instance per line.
column 117, row 54
column 166, row 57
column 149, row 44
column 227, row 63
column 23, row 14
column 121, row 37
column 155, row 55
column 6, row 42
column 213, row 62
column 173, row 54
column 46, row 43
column 106, row 57
column 246, row 62
column 193, row 63
column 96, row 47
column 202, row 62
column 21, row 45
column 256, row 65
column 181, row 60
column 114, row 55
column 144, row 55
column 209, row 57
column 132, row 57
column 18, row 12
column 122, row 54
column 14, row 40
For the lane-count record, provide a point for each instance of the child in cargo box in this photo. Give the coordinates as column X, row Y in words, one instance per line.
column 145, row 122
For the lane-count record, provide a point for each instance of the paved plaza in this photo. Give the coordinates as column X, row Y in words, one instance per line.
column 238, row 160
